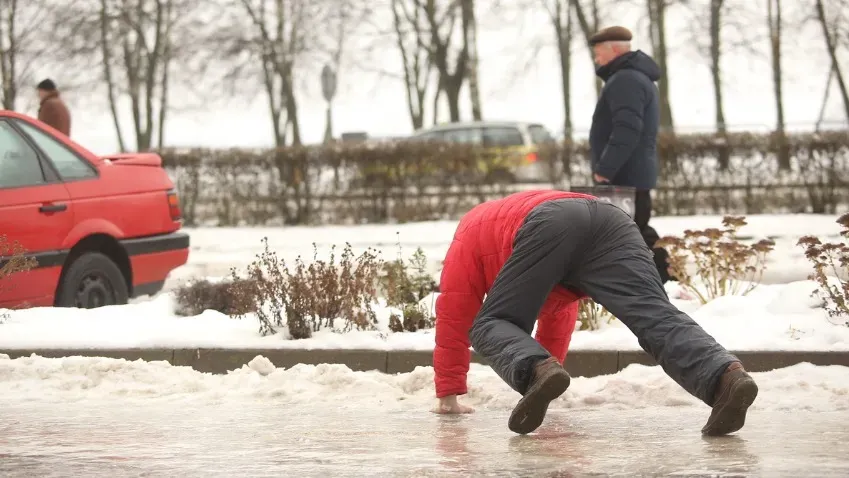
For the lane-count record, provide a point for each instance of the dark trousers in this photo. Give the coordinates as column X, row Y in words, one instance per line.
column 642, row 214
column 596, row 248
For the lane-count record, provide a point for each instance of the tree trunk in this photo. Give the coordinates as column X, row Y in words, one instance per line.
column 450, row 83
column 715, row 65
column 8, row 57
column 562, row 21
column 715, row 70
column 436, row 96
column 452, row 94
column 830, row 44
column 163, row 81
column 774, row 24
column 825, row 96
column 415, row 84
column 588, row 29
column 105, row 43
column 470, row 39
column 292, row 110
column 657, row 28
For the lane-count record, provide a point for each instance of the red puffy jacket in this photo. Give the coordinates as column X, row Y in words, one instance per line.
column 482, row 243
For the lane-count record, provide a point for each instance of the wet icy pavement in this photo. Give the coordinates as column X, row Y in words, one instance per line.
column 254, row 438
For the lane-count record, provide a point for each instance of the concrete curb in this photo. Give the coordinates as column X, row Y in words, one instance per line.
column 580, row 363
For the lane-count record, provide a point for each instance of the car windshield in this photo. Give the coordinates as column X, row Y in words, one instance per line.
column 539, row 134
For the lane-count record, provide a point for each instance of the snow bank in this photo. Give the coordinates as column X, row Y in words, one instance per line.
column 772, row 317
column 802, row 386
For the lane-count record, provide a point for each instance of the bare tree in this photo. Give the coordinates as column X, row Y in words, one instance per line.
column 411, row 38
column 657, row 29
column 774, row 24
column 450, row 60
column 829, row 31
column 589, row 21
column 716, row 10
column 22, row 42
column 134, row 44
column 276, row 35
column 470, row 38
column 560, row 15
column 276, row 42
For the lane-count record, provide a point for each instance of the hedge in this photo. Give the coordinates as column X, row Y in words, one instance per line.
column 740, row 173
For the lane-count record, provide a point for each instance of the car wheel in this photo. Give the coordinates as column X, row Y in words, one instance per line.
column 92, row 281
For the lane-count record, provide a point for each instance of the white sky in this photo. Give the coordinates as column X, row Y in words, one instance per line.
column 516, row 85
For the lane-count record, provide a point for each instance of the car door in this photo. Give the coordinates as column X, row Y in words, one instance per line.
column 35, row 211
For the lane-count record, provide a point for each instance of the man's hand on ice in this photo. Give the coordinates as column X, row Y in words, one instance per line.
column 449, row 406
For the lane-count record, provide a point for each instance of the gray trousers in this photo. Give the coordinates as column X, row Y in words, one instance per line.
column 596, row 248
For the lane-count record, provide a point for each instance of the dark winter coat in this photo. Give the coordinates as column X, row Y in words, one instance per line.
column 53, row 112
column 482, row 243
column 623, row 136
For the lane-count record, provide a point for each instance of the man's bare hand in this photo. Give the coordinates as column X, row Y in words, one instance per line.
column 600, row 179
column 450, row 406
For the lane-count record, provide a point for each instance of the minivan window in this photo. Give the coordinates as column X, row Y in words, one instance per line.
column 539, row 135
column 463, row 135
column 502, row 136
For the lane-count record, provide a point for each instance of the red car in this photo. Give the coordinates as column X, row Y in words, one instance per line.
column 101, row 229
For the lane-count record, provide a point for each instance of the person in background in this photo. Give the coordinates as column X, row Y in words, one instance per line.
column 623, row 135
column 52, row 110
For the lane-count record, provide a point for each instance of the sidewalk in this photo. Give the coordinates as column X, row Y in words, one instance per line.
column 578, row 363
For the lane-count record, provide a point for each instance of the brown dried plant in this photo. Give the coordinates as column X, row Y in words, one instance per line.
column 312, row 296
column 831, row 258
column 404, row 286
column 724, row 265
column 591, row 315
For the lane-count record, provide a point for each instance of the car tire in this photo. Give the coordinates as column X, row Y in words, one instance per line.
column 92, row 280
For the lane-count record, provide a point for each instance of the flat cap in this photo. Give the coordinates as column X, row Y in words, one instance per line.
column 615, row 33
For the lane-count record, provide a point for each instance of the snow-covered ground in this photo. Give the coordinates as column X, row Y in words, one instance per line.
column 779, row 315
column 772, row 317
column 37, row 379
column 215, row 250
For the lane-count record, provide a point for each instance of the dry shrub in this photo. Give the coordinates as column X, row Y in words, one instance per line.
column 405, row 285
column 231, row 297
column 702, row 173
column 724, row 266
column 324, row 291
column 309, row 297
column 833, row 258
column 591, row 315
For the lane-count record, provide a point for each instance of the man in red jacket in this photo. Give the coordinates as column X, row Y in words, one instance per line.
column 481, row 245
column 533, row 255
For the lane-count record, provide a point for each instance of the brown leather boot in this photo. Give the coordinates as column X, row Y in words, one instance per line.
column 549, row 381
column 734, row 395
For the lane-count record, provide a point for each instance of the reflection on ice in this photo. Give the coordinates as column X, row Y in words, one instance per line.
column 256, row 438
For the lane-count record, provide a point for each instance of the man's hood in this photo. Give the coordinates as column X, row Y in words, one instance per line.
column 634, row 60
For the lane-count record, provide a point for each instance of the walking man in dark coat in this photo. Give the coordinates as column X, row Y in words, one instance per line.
column 594, row 249
column 623, row 135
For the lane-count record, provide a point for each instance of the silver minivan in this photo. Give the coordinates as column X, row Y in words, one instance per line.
column 520, row 141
